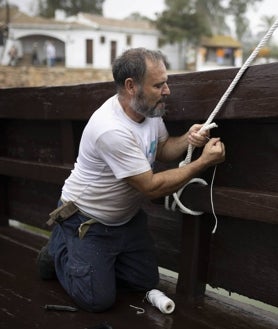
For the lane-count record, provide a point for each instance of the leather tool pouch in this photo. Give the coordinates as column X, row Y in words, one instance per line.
column 62, row 213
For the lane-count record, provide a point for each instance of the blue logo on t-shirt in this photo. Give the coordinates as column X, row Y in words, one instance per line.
column 152, row 151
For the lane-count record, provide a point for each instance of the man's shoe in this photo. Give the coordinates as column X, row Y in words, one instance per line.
column 46, row 265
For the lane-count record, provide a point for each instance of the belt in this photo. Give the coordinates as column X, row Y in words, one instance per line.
column 83, row 227
column 65, row 211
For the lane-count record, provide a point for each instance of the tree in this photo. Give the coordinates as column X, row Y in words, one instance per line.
column 266, row 23
column 186, row 21
column 237, row 9
column 180, row 21
column 269, row 50
column 46, row 8
column 137, row 17
column 193, row 18
column 214, row 15
column 181, row 24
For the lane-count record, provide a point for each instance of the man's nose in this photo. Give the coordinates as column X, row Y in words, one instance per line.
column 166, row 89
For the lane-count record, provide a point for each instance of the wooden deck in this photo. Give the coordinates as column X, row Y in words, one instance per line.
column 23, row 296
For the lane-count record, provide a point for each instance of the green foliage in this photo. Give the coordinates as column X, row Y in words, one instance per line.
column 46, row 8
column 237, row 9
column 266, row 23
column 188, row 20
column 181, row 22
column 214, row 14
column 137, row 17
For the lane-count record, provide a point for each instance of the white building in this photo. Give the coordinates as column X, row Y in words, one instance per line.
column 81, row 41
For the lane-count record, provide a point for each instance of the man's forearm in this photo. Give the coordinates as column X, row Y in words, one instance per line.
column 170, row 181
column 173, row 148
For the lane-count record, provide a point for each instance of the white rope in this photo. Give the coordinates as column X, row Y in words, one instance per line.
column 139, row 310
column 158, row 299
column 234, row 82
column 209, row 125
column 211, row 201
column 178, row 194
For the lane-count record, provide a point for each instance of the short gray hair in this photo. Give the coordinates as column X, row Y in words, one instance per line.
column 132, row 64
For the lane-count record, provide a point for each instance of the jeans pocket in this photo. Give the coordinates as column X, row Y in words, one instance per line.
column 81, row 283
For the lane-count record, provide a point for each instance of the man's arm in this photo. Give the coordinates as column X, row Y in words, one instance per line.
column 174, row 147
column 169, row 181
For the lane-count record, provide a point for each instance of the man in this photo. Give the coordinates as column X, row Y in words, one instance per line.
column 106, row 244
column 50, row 51
column 13, row 56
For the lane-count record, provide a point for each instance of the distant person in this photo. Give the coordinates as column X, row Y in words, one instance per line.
column 35, row 55
column 13, row 56
column 50, row 54
column 220, row 56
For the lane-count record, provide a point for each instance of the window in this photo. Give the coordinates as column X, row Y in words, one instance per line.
column 113, row 51
column 102, row 39
column 89, row 51
column 128, row 40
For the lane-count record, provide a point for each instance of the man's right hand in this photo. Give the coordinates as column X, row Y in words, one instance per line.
column 213, row 152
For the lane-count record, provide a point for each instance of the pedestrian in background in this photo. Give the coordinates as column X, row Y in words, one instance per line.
column 50, row 54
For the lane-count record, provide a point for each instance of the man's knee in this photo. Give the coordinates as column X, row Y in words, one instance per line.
column 95, row 304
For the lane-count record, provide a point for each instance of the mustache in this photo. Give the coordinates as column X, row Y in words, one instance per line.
column 156, row 111
column 162, row 99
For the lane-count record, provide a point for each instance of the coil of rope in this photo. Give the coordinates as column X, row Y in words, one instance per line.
column 209, row 125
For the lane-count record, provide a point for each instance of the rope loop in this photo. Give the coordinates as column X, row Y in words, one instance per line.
column 208, row 125
column 177, row 201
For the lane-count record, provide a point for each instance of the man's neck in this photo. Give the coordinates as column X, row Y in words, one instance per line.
column 137, row 117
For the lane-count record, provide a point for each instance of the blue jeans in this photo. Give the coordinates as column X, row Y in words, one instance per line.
column 91, row 269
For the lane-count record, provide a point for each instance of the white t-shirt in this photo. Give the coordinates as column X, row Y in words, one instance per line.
column 112, row 147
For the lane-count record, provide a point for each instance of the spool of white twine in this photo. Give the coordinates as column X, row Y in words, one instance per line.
column 158, row 299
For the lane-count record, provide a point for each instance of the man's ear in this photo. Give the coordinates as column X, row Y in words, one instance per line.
column 130, row 86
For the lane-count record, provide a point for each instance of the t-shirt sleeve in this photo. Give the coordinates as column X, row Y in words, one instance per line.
column 162, row 131
column 122, row 154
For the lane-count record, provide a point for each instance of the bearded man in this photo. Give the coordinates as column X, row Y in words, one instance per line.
column 101, row 241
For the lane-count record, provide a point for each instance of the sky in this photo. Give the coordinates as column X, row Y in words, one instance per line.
column 123, row 8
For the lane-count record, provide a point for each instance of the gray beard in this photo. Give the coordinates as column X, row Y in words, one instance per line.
column 140, row 107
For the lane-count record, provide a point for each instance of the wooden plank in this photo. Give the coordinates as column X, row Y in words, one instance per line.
column 194, row 96
column 233, row 202
column 52, row 173
column 165, row 227
column 67, row 143
column 24, row 294
column 31, row 201
column 244, row 259
column 54, row 102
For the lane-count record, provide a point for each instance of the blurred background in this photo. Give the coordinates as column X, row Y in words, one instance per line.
column 46, row 42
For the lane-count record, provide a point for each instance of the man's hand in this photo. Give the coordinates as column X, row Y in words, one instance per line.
column 197, row 138
column 214, row 152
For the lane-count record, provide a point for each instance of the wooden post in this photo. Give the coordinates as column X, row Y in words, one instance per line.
column 196, row 234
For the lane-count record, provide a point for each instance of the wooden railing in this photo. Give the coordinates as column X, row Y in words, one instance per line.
column 40, row 129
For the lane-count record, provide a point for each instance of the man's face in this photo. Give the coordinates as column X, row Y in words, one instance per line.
column 150, row 97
